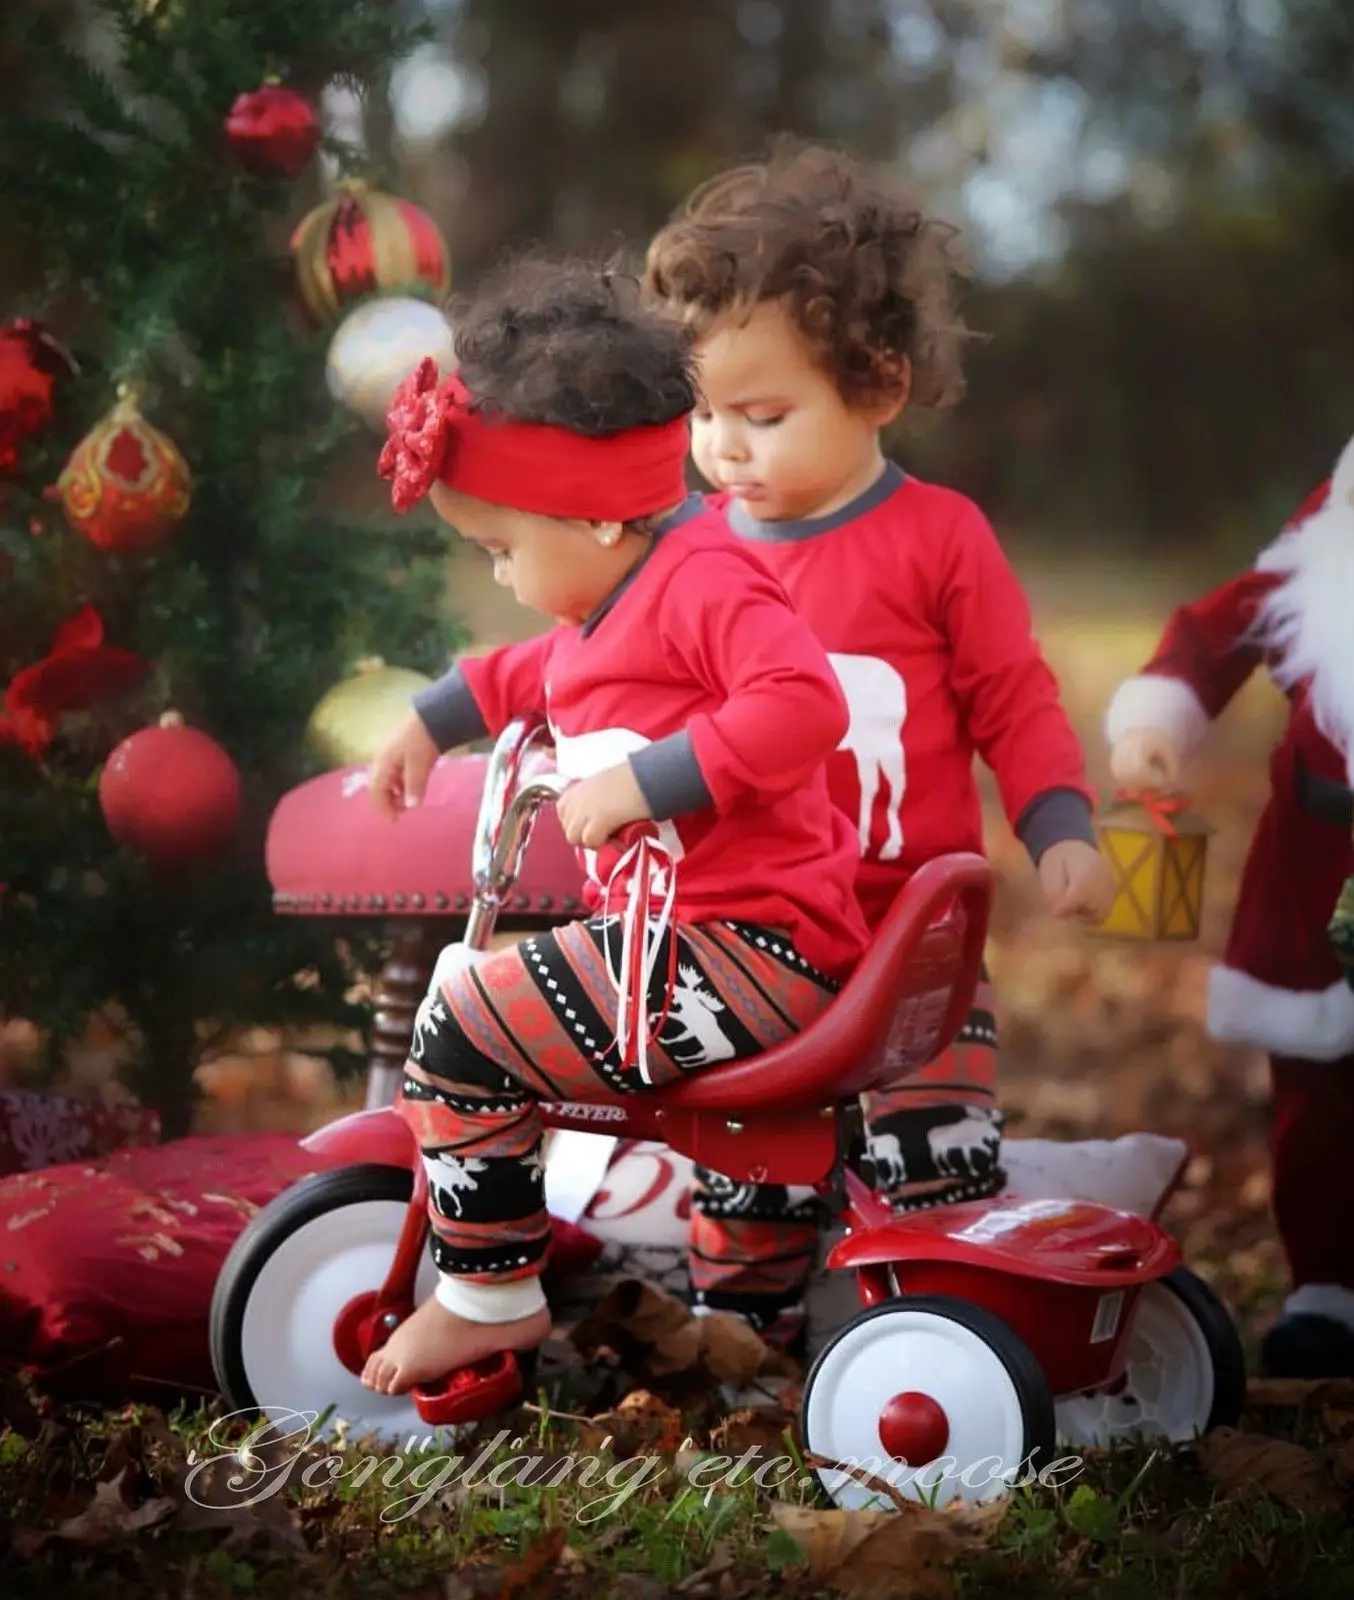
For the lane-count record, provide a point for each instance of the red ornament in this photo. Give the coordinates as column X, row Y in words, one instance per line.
column 363, row 242
column 31, row 364
column 125, row 486
column 171, row 794
column 273, row 132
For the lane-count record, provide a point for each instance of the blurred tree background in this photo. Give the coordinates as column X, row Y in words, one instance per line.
column 1158, row 200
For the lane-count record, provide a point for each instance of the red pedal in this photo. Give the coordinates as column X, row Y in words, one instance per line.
column 470, row 1394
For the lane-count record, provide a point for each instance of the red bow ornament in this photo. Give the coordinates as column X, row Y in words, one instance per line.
column 76, row 673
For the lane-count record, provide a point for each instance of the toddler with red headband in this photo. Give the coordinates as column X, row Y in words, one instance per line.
column 694, row 711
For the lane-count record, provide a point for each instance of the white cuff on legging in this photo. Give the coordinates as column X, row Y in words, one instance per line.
column 491, row 1302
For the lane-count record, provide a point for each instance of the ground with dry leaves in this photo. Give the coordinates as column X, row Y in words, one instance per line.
column 1100, row 1038
column 629, row 1477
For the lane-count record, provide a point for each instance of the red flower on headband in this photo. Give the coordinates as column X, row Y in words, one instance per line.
column 419, row 424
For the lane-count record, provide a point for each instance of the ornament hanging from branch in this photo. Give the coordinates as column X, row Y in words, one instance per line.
column 125, row 486
column 354, row 720
column 273, row 132
column 377, row 346
column 363, row 242
column 32, row 367
column 171, row 793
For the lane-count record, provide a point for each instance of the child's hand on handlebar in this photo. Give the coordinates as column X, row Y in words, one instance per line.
column 399, row 775
column 592, row 810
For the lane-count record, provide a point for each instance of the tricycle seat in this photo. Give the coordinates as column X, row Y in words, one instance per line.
column 900, row 1008
column 773, row 1118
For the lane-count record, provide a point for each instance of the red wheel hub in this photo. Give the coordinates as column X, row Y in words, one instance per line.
column 913, row 1428
column 359, row 1328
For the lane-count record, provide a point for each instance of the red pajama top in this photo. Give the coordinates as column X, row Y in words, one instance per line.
column 929, row 632
column 698, row 655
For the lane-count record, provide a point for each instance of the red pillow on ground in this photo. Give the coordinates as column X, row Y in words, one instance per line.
column 107, row 1268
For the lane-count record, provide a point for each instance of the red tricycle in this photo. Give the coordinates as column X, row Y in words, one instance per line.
column 990, row 1332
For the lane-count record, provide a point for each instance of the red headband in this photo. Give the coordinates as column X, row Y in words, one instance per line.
column 436, row 435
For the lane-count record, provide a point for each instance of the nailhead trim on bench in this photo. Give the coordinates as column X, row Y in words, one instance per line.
column 378, row 904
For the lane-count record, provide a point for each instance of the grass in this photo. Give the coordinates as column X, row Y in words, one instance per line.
column 162, row 1504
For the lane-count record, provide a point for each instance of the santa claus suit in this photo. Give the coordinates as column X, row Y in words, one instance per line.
column 1279, row 985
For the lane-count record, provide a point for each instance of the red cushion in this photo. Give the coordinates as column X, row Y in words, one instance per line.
column 40, row 1130
column 330, row 851
column 107, row 1268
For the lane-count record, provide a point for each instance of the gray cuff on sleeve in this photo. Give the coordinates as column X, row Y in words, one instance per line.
column 670, row 778
column 1051, row 818
column 450, row 712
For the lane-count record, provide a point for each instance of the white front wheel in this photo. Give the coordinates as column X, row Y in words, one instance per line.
column 300, row 1261
column 936, row 1397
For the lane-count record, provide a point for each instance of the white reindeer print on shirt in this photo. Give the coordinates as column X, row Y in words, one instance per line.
column 876, row 698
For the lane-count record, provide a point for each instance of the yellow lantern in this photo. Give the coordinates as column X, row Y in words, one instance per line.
column 1157, row 849
column 355, row 718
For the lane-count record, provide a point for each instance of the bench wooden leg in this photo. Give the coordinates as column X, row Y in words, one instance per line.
column 400, row 990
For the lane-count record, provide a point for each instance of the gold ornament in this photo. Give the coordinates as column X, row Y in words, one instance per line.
column 363, row 242
column 353, row 721
column 125, row 486
column 378, row 346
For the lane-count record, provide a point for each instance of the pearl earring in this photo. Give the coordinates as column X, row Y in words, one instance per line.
column 610, row 536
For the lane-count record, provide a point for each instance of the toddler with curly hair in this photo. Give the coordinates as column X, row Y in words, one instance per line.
column 822, row 300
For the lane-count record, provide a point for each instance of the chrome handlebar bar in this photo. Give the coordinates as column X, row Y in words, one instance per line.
column 512, row 799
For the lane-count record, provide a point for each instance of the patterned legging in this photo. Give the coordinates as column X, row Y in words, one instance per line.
column 932, row 1139
column 536, row 1021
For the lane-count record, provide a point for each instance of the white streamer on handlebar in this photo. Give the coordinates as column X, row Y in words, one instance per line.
column 641, row 946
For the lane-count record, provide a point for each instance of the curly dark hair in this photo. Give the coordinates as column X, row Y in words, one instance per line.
column 572, row 344
column 867, row 277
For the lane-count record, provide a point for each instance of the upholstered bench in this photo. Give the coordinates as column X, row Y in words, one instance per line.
column 331, row 854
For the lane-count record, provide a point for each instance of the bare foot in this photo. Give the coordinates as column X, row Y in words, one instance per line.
column 434, row 1341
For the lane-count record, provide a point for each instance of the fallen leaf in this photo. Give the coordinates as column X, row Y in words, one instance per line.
column 1244, row 1464
column 758, row 1428
column 536, row 1564
column 730, row 1349
column 1283, row 1394
column 908, row 1551
column 107, row 1516
column 640, row 1314
column 641, row 1422
column 215, row 1496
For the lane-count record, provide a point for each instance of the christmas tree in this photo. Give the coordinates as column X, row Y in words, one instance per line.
column 173, row 537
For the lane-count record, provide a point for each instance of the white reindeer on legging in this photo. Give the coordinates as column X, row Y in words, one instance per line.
column 448, row 1174
column 694, row 1009
column 876, row 698
column 977, row 1131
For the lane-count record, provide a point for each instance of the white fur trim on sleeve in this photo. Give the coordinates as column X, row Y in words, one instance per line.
column 1167, row 705
column 1311, row 1024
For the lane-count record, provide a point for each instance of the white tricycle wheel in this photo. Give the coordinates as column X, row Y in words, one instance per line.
column 1185, row 1372
column 300, row 1261
column 937, row 1397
